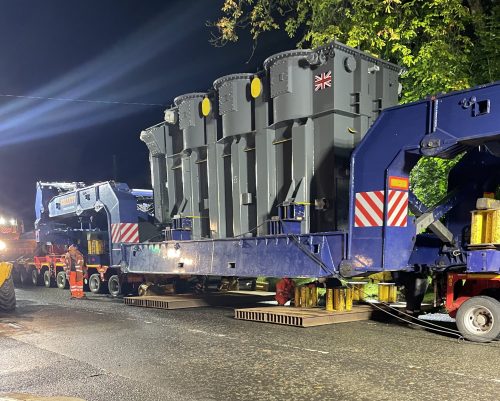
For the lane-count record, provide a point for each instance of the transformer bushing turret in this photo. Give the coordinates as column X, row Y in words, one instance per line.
column 290, row 85
column 155, row 140
column 192, row 213
column 323, row 102
column 164, row 142
column 237, row 114
column 269, row 152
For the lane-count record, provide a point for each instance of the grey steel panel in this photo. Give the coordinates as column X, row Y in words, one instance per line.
column 290, row 85
column 190, row 119
column 280, row 78
column 235, row 103
column 173, row 146
column 265, row 162
column 212, row 185
column 87, row 198
column 155, row 140
column 266, row 182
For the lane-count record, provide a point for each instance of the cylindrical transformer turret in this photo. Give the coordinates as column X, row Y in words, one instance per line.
column 269, row 152
column 235, row 103
column 291, row 85
column 191, row 120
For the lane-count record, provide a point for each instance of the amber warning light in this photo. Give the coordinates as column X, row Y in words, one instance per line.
column 398, row 183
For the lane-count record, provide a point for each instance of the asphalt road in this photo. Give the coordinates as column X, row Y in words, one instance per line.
column 100, row 349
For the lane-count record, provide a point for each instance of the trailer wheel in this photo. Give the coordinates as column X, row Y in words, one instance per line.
column 478, row 319
column 61, row 280
column 95, row 283
column 47, row 279
column 16, row 276
column 7, row 296
column 35, row 277
column 114, row 286
column 25, row 277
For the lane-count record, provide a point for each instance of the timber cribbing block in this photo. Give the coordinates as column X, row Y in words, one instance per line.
column 183, row 301
column 303, row 317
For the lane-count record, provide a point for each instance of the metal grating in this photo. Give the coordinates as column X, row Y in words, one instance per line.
column 266, row 317
column 232, row 298
column 302, row 317
column 147, row 303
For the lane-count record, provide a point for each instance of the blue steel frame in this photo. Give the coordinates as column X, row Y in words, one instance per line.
column 442, row 126
column 312, row 255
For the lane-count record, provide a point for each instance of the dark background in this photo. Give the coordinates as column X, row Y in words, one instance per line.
column 127, row 51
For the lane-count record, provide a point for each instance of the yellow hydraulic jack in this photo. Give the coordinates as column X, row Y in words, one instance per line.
column 339, row 299
column 306, row 296
column 387, row 292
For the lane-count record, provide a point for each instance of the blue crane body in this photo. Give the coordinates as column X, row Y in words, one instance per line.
column 124, row 221
column 97, row 218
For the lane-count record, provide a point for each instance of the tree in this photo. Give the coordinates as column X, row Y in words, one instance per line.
column 443, row 45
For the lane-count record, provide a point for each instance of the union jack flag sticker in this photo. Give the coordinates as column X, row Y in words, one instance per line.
column 322, row 81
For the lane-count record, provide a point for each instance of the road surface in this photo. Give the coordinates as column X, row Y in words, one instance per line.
column 99, row 349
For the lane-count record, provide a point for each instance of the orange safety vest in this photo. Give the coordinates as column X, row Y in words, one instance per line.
column 74, row 263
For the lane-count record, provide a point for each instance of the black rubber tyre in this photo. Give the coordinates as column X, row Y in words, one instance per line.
column 478, row 319
column 114, row 286
column 61, row 280
column 25, row 277
column 7, row 296
column 129, row 289
column 16, row 276
column 36, row 277
column 47, row 279
column 95, row 283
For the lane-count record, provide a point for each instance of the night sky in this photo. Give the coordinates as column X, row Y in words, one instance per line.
column 127, row 51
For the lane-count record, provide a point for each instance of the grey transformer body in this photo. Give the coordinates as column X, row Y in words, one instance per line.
column 225, row 162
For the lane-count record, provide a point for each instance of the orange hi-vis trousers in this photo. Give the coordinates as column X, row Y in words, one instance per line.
column 76, row 284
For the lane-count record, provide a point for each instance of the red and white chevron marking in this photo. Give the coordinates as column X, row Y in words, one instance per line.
column 369, row 209
column 397, row 208
column 124, row 232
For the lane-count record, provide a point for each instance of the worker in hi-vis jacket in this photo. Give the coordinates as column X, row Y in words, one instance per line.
column 73, row 259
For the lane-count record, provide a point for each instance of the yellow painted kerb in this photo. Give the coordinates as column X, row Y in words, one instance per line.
column 5, row 271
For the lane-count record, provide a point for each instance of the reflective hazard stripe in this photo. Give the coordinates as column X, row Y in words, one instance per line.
column 124, row 232
column 369, row 209
column 397, row 208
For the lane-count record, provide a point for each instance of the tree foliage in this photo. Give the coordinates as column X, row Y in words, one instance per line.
column 428, row 179
column 443, row 45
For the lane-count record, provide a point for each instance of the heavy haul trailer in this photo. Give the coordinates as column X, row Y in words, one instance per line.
column 262, row 181
column 95, row 217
